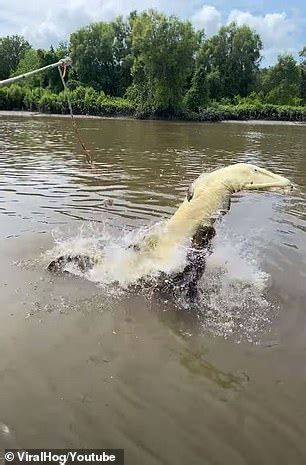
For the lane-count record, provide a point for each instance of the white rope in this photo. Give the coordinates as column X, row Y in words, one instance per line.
column 63, row 62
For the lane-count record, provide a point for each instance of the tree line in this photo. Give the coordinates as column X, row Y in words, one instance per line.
column 162, row 65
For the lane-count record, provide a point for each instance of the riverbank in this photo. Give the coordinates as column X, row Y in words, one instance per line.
column 37, row 114
column 88, row 102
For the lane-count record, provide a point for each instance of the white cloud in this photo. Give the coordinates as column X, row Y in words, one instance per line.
column 55, row 19
column 51, row 21
column 275, row 29
column 209, row 18
column 47, row 22
column 58, row 23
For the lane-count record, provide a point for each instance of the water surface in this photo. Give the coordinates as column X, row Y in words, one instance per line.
column 84, row 364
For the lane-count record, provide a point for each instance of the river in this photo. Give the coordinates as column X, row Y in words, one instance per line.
column 86, row 364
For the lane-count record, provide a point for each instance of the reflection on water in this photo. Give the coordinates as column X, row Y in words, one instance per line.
column 196, row 363
column 82, row 361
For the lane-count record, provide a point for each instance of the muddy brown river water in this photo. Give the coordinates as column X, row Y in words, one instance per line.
column 84, row 364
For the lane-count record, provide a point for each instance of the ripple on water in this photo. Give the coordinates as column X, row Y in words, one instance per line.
column 45, row 181
column 208, row 399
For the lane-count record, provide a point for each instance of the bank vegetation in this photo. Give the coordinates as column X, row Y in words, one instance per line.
column 151, row 65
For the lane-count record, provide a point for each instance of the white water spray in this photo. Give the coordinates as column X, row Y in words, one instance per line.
column 232, row 291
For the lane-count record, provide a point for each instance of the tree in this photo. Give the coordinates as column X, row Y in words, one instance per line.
column 34, row 59
column 123, row 52
column 12, row 50
column 100, row 54
column 51, row 78
column 230, row 61
column 303, row 75
column 198, row 93
column 29, row 62
column 163, row 49
column 281, row 83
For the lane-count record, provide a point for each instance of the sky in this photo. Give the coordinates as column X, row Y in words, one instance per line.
column 281, row 24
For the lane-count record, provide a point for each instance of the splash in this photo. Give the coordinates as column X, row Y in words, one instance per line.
column 234, row 290
column 117, row 261
column 233, row 299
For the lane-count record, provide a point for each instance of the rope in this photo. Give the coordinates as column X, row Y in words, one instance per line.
column 64, row 62
column 74, row 124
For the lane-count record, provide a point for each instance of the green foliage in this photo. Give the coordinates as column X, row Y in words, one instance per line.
column 198, row 93
column 11, row 98
column 87, row 101
column 12, row 50
column 31, row 97
column 302, row 69
column 230, row 61
column 34, row 59
column 29, row 62
column 281, row 83
column 101, row 55
column 163, row 48
column 50, row 79
column 245, row 111
column 254, row 98
column 162, row 67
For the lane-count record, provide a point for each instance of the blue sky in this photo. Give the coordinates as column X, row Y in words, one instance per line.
column 281, row 24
